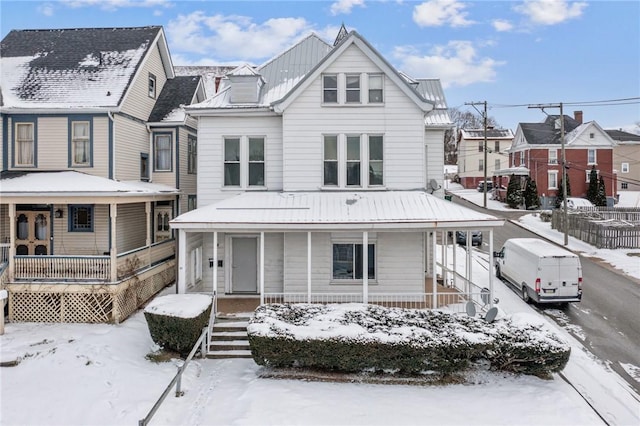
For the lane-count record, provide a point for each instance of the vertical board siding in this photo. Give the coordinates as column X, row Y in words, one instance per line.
column 131, row 226
column 211, row 132
column 399, row 120
column 94, row 243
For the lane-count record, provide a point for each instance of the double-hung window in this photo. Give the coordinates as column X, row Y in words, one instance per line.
column 152, row 86
column 81, row 143
column 588, row 175
column 553, row 156
column 192, row 155
column 591, row 156
column 353, row 88
column 496, row 164
column 480, row 164
column 624, row 167
column 375, row 89
column 552, row 177
column 496, row 147
column 481, row 146
column 522, row 158
column 348, row 261
column 244, row 161
column 375, row 160
column 331, row 160
column 330, row 88
column 353, row 160
column 24, row 144
column 162, row 153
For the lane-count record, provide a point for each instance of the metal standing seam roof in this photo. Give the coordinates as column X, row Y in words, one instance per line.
column 491, row 133
column 331, row 210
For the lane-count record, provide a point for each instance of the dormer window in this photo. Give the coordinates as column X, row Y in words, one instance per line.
column 152, row 86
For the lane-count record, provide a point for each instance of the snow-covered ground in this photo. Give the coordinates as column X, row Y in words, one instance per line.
column 78, row 374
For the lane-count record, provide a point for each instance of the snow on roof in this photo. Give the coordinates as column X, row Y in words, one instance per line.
column 73, row 68
column 75, row 183
column 328, row 210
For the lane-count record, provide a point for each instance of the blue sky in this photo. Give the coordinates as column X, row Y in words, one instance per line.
column 511, row 54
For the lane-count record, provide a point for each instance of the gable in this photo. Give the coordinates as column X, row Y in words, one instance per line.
column 72, row 68
column 589, row 135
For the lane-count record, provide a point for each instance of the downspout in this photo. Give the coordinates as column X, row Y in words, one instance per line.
column 150, row 165
column 112, row 147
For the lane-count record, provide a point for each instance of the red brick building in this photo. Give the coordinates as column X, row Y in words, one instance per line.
column 538, row 147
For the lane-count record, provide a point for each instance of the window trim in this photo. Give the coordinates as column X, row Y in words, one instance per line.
column 192, row 154
column 550, row 158
column 250, row 161
column 73, row 209
column 358, row 161
column 348, row 90
column 155, row 151
column 342, row 161
column 244, row 162
column 353, row 243
column 71, row 158
column 152, row 89
column 549, row 174
column 588, row 173
column 192, row 202
column 326, row 90
column 34, row 144
column 624, row 167
column 480, row 164
column 595, row 157
column 325, row 161
column 369, row 89
column 144, row 177
column 496, row 147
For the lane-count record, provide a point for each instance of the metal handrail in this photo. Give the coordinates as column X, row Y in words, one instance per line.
column 177, row 379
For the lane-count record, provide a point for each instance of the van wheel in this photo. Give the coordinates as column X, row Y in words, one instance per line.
column 498, row 274
column 525, row 294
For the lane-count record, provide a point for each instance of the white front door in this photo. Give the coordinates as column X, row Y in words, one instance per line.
column 244, row 265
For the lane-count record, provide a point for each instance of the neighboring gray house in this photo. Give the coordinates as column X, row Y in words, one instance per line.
column 320, row 180
column 97, row 157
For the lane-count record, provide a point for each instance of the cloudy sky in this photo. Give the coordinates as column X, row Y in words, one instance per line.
column 512, row 54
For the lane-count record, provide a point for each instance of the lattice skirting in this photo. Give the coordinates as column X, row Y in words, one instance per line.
column 87, row 303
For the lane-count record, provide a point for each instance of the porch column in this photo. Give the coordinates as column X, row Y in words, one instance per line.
column 445, row 258
column 309, row 267
column 214, row 286
column 113, row 251
column 365, row 267
column 147, row 209
column 454, row 244
column 491, row 268
column 262, row 268
column 434, row 275
column 12, row 242
column 469, row 257
column 182, row 262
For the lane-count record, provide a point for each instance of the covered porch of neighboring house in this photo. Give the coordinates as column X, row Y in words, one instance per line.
column 307, row 247
column 81, row 248
column 501, row 181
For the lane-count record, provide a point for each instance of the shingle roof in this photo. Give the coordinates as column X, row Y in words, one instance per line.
column 619, row 135
column 61, row 68
column 176, row 91
column 491, row 133
column 547, row 132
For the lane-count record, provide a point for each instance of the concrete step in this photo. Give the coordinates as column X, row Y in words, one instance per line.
column 229, row 354
column 229, row 338
column 229, row 335
column 230, row 345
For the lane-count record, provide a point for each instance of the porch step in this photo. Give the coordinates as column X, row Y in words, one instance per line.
column 229, row 338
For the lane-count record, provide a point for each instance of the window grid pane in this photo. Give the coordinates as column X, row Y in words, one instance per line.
column 375, row 160
column 375, row 88
column 256, row 161
column 353, row 160
column 330, row 160
column 353, row 88
column 192, row 155
column 330, row 88
column 162, row 153
column 24, row 144
column 232, row 162
column 80, row 142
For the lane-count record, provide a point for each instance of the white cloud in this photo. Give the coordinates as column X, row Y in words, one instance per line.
column 345, row 6
column 436, row 13
column 46, row 9
column 233, row 38
column 456, row 64
column 502, row 25
column 116, row 4
column 551, row 12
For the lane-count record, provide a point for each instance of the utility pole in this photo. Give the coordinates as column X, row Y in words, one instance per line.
column 484, row 149
column 564, row 167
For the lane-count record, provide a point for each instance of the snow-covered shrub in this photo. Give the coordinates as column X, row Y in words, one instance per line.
column 176, row 321
column 358, row 337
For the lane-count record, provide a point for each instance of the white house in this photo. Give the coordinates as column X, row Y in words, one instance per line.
column 307, row 160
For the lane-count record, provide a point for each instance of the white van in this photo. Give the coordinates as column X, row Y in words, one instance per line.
column 543, row 272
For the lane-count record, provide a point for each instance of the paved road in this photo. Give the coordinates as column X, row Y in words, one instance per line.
column 607, row 321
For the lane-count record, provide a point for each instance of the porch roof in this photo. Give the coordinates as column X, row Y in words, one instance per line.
column 516, row 171
column 22, row 186
column 334, row 210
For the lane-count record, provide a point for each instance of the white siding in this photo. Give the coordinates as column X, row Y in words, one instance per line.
column 211, row 132
column 434, row 152
column 400, row 263
column 398, row 119
column 194, row 241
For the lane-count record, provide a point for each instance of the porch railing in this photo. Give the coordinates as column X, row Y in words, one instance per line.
column 91, row 268
column 450, row 300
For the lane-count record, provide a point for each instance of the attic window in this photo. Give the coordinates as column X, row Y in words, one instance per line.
column 592, row 135
column 152, row 86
